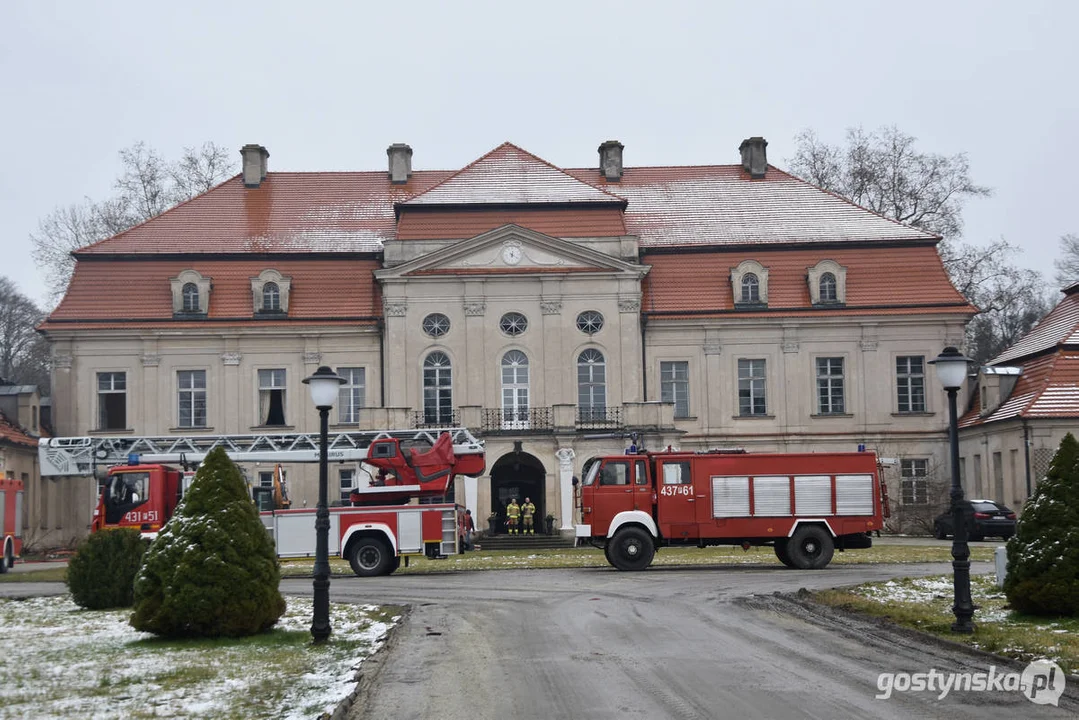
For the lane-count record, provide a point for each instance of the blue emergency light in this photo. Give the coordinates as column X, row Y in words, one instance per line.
column 132, row 458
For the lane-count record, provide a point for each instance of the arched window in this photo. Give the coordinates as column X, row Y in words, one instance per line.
column 751, row 288
column 514, row 390
column 591, row 386
column 190, row 297
column 271, row 297
column 437, row 389
column 828, row 288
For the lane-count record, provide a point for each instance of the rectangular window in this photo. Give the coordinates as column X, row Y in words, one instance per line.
column 978, row 492
column 998, row 477
column 910, row 383
column 272, row 397
column 352, row 394
column 112, row 401
column 266, row 478
column 674, row 386
column 830, row 386
column 345, row 481
column 677, row 473
column 751, row 399
column 915, row 481
column 191, row 389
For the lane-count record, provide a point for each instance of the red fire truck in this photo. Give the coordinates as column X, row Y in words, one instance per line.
column 11, row 498
column 143, row 493
column 805, row 505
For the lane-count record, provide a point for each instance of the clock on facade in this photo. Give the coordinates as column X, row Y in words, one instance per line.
column 511, row 254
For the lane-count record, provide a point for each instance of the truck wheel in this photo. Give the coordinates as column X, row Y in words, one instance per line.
column 369, row 557
column 810, row 548
column 782, row 552
column 4, row 561
column 394, row 565
column 631, row 549
column 607, row 553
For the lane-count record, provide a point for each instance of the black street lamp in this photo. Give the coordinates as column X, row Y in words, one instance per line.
column 324, row 385
column 952, row 370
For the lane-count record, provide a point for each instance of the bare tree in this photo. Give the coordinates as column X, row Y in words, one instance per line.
column 1067, row 264
column 884, row 172
column 24, row 354
column 148, row 185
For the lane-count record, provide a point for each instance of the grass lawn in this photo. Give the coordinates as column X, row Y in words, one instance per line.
column 926, row 604
column 61, row 661
column 592, row 557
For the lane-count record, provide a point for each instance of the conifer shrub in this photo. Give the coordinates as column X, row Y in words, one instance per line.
column 1043, row 557
column 212, row 571
column 101, row 573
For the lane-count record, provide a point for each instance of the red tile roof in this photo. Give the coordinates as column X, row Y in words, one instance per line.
column 1048, row 387
column 139, row 290
column 721, row 204
column 700, row 282
column 288, row 213
column 13, row 434
column 509, row 175
column 354, row 211
column 461, row 224
column 1060, row 327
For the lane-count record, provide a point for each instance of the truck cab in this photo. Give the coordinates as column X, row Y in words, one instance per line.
column 138, row 496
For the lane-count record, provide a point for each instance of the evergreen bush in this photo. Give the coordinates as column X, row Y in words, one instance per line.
column 212, row 571
column 101, row 573
column 1043, row 557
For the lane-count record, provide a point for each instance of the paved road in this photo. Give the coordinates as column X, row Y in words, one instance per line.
column 665, row 643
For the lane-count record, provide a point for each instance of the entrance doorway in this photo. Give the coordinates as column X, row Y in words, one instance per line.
column 518, row 475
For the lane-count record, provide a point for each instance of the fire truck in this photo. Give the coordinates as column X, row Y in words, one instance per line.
column 138, row 489
column 11, row 499
column 804, row 505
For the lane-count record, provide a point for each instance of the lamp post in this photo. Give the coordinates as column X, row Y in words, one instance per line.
column 951, row 370
column 323, row 385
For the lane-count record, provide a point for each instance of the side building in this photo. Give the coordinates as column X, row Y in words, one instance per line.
column 1024, row 402
column 552, row 310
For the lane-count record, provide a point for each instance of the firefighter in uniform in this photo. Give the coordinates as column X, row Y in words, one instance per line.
column 513, row 511
column 527, row 511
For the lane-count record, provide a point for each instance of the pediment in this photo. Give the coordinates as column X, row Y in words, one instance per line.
column 512, row 249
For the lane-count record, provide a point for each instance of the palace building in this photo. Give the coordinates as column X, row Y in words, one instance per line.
column 554, row 311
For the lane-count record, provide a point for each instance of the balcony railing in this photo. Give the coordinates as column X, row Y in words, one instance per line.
column 599, row 418
column 517, row 420
column 421, row 420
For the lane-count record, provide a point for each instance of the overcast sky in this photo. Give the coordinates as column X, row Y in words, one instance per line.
column 677, row 83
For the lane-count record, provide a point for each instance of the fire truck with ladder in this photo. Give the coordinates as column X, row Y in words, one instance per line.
column 140, row 490
column 11, row 499
column 804, row 505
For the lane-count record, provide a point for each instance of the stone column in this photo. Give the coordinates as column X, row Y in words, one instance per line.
column 472, row 498
column 565, row 475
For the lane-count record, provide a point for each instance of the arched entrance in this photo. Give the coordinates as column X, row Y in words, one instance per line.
column 519, row 475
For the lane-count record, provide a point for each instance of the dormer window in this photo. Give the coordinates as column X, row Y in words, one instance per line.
column 749, row 284
column 751, row 289
column 270, row 293
column 190, row 294
column 271, row 297
column 827, row 282
column 827, row 288
column 190, row 298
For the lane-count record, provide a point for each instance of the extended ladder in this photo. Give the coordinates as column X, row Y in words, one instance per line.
column 79, row 455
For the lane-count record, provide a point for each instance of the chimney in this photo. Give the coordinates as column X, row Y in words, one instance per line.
column 254, row 164
column 400, row 163
column 754, row 157
column 610, row 160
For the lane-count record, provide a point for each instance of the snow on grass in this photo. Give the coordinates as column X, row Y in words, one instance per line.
column 61, row 661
